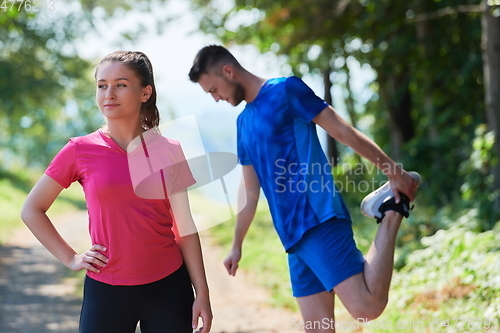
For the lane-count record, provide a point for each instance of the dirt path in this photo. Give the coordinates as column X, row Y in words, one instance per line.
column 38, row 294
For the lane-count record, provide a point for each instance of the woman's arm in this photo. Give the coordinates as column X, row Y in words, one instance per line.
column 33, row 213
column 189, row 243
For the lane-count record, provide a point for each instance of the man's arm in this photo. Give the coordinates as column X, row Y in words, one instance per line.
column 339, row 129
column 250, row 187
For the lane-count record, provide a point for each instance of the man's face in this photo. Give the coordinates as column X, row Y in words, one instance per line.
column 222, row 88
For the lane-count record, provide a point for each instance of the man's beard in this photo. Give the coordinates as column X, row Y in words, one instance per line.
column 238, row 93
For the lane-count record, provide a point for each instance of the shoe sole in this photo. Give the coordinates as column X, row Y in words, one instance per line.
column 383, row 193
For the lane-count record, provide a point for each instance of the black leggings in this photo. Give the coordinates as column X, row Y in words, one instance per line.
column 164, row 306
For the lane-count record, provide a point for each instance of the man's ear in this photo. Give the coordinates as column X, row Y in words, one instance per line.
column 228, row 71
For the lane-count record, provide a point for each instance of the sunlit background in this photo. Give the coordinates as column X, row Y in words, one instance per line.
column 420, row 77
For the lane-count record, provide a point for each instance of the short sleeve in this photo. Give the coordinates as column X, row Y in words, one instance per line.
column 242, row 153
column 303, row 102
column 64, row 167
column 183, row 178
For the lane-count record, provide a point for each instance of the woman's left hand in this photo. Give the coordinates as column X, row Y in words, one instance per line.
column 202, row 308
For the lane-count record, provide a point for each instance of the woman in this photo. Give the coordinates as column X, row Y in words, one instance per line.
column 139, row 268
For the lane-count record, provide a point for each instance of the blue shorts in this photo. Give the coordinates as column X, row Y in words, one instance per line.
column 325, row 256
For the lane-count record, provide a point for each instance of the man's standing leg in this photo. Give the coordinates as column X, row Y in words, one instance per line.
column 318, row 309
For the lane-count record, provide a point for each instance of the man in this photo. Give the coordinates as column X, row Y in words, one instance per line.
column 279, row 150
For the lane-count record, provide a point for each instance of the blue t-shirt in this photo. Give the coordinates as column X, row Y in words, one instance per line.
column 277, row 136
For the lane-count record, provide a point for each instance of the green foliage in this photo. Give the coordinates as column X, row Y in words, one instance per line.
column 36, row 78
column 264, row 253
column 451, row 274
column 264, row 258
column 455, row 275
column 46, row 90
column 426, row 110
column 15, row 186
column 477, row 188
column 428, row 94
column 11, row 198
column 355, row 179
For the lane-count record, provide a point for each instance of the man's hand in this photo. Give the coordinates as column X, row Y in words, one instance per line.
column 402, row 182
column 232, row 260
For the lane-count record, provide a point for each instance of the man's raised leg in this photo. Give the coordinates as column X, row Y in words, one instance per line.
column 365, row 295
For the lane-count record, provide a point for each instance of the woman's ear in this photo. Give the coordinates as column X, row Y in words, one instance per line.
column 146, row 93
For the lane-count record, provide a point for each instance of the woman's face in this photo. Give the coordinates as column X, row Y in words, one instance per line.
column 119, row 92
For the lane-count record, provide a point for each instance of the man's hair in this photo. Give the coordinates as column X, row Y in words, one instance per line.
column 209, row 59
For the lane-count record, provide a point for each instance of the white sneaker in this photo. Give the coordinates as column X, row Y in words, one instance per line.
column 371, row 204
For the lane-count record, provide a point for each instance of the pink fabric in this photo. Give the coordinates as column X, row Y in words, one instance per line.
column 136, row 231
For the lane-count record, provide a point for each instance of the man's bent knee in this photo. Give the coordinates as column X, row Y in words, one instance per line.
column 368, row 311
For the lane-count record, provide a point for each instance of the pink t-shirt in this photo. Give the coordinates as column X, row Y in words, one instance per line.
column 137, row 232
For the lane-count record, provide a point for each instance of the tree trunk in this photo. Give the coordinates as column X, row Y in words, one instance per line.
column 332, row 151
column 351, row 111
column 397, row 96
column 491, row 62
column 424, row 30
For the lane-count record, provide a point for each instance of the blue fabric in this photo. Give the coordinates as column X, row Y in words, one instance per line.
column 277, row 136
column 325, row 256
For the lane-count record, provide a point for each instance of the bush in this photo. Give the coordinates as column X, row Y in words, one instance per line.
column 456, row 275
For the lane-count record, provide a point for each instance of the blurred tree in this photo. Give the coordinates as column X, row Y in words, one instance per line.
column 435, row 78
column 306, row 32
column 491, row 60
column 46, row 89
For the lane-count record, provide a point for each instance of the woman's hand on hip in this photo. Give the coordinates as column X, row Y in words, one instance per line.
column 92, row 260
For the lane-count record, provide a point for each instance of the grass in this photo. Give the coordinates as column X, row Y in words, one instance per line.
column 451, row 275
column 14, row 188
column 436, row 280
column 263, row 256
